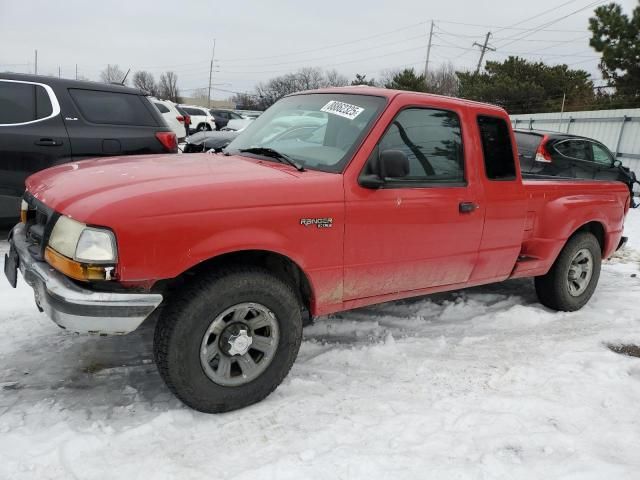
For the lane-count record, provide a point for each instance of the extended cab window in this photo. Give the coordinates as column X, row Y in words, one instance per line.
column 23, row 102
column 112, row 107
column 432, row 141
column 499, row 163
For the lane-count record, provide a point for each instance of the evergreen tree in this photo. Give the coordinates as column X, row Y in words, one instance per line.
column 617, row 38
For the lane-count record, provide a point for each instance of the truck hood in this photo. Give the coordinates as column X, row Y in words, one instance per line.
column 159, row 185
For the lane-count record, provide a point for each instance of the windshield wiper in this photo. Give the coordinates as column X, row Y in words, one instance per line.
column 270, row 152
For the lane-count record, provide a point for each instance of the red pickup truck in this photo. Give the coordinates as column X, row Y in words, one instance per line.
column 331, row 200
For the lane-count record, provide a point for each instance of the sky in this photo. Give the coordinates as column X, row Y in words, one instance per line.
column 257, row 40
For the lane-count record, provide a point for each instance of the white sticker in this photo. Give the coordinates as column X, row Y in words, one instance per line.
column 342, row 109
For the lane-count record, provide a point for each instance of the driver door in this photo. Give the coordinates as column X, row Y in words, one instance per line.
column 418, row 231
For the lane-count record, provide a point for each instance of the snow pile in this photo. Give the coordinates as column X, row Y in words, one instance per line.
column 482, row 383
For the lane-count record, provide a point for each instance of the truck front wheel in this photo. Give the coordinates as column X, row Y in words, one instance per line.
column 229, row 339
column 574, row 276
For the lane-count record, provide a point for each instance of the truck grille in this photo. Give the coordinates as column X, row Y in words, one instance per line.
column 40, row 221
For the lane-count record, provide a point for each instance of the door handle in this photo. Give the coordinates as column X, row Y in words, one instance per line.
column 48, row 142
column 467, row 207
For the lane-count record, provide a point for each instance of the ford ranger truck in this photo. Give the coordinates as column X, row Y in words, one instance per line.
column 331, row 200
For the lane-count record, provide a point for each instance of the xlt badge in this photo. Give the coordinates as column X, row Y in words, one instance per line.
column 319, row 222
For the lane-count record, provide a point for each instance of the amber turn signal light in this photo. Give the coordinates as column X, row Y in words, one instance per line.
column 75, row 270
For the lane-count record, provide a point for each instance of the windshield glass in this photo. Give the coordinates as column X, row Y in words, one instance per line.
column 319, row 131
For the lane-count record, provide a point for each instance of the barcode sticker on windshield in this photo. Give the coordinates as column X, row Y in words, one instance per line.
column 342, row 109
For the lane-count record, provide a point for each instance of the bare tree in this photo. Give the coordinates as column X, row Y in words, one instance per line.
column 443, row 81
column 335, row 79
column 362, row 80
column 201, row 95
column 245, row 101
column 168, row 87
column 145, row 82
column 386, row 76
column 112, row 74
column 304, row 79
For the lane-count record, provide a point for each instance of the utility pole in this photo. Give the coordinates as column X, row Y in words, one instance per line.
column 59, row 72
column 76, row 71
column 426, row 63
column 564, row 97
column 213, row 54
column 483, row 49
column 36, row 64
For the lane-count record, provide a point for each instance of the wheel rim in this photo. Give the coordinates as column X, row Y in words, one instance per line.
column 239, row 344
column 580, row 272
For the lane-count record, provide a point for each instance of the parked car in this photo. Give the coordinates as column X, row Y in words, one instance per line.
column 564, row 155
column 201, row 119
column 396, row 194
column 249, row 113
column 216, row 141
column 46, row 121
column 178, row 122
column 222, row 117
column 238, row 124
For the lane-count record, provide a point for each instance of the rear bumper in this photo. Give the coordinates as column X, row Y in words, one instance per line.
column 74, row 307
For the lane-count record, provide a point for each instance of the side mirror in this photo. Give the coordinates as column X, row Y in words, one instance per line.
column 617, row 163
column 391, row 164
column 394, row 164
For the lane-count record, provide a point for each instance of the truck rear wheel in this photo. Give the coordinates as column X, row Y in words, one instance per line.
column 574, row 276
column 229, row 339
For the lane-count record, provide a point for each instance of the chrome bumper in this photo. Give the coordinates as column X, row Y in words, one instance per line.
column 79, row 309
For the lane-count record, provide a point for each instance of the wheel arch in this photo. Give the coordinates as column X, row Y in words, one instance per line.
column 281, row 265
column 597, row 228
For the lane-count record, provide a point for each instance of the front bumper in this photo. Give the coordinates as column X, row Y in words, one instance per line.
column 76, row 308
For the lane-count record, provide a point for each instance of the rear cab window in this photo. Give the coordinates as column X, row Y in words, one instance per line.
column 23, row 102
column 499, row 163
column 113, row 108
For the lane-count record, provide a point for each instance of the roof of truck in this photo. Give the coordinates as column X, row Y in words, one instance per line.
column 390, row 93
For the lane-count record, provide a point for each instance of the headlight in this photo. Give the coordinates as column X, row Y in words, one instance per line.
column 84, row 244
column 96, row 246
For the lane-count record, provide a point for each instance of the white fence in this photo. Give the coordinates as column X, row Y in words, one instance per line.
column 617, row 129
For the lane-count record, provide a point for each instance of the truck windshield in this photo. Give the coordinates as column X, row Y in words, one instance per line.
column 319, row 131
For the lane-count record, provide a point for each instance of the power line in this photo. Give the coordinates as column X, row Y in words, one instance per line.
column 499, row 27
column 536, row 16
column 552, row 22
column 326, row 47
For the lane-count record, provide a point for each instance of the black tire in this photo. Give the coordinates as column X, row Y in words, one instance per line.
column 185, row 319
column 553, row 288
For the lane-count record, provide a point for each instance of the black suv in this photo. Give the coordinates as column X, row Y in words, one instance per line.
column 222, row 117
column 570, row 156
column 45, row 121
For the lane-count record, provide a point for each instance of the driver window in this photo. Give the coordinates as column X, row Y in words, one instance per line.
column 432, row 141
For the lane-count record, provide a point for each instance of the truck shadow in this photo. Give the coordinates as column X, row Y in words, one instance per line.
column 106, row 376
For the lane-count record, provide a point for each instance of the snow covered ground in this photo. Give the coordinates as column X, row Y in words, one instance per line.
column 482, row 383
